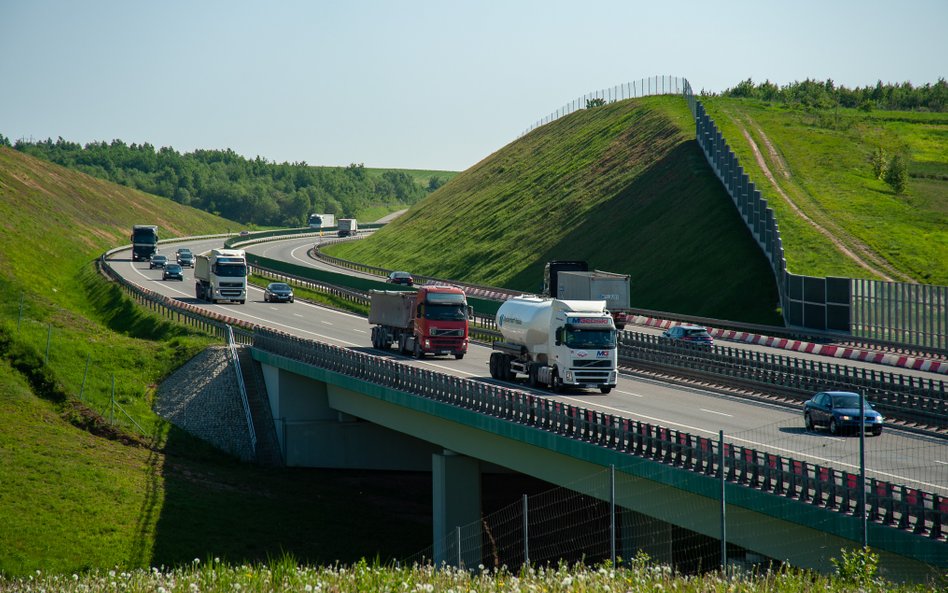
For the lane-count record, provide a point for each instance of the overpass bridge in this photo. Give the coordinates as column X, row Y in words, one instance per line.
column 335, row 407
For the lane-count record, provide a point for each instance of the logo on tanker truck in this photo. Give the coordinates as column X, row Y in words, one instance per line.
column 511, row 320
column 588, row 320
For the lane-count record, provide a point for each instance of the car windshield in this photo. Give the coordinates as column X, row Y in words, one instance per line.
column 697, row 333
column 590, row 338
column 849, row 400
column 446, row 311
column 159, row 258
column 174, row 268
column 184, row 251
column 278, row 286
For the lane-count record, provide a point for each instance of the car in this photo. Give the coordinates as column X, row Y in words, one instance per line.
column 401, row 278
column 244, row 233
column 279, row 292
column 839, row 412
column 172, row 272
column 157, row 261
column 691, row 335
column 185, row 257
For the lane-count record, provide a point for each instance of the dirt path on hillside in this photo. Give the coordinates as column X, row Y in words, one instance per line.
column 784, row 171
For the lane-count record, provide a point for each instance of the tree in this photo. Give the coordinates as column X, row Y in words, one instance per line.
column 897, row 175
column 597, row 102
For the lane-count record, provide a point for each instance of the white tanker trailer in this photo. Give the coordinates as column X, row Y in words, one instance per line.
column 556, row 343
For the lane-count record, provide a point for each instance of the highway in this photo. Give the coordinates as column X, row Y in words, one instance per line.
column 897, row 456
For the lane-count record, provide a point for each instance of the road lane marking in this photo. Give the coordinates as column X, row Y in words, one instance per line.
column 629, row 393
column 718, row 413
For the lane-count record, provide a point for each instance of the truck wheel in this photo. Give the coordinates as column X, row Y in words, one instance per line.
column 493, row 365
column 605, row 390
column 556, row 384
column 459, row 356
column 532, row 375
column 418, row 353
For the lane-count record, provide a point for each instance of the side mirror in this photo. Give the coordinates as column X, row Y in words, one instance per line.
column 470, row 313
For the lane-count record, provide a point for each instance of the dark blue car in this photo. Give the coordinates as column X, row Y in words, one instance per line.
column 839, row 412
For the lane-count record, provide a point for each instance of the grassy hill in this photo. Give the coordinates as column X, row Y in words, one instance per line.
column 623, row 186
column 821, row 161
column 72, row 495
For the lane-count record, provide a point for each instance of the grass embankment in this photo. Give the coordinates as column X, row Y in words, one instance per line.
column 822, row 161
column 623, row 186
column 76, row 494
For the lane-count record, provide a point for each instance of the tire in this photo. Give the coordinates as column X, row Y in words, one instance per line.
column 556, row 384
column 459, row 356
column 532, row 376
column 808, row 422
column 418, row 353
column 242, row 302
column 492, row 365
column 877, row 431
column 834, row 428
column 605, row 390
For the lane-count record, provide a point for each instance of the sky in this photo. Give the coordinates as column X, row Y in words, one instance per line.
column 413, row 84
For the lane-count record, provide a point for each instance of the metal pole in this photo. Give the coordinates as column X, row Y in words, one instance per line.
column 112, row 403
column 84, row 375
column 526, row 533
column 20, row 316
column 862, row 470
column 612, row 514
column 458, row 530
column 723, row 475
column 49, row 335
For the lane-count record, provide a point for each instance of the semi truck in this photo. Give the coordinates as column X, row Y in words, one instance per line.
column 322, row 221
column 431, row 320
column 221, row 275
column 144, row 241
column 348, row 227
column 572, row 280
column 555, row 343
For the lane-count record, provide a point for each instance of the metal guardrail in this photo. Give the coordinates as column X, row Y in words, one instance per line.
column 235, row 362
column 904, row 397
column 888, row 504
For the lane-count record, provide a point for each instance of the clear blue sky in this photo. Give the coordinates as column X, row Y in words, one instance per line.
column 412, row 84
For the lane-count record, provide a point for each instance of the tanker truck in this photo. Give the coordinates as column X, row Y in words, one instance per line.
column 221, row 275
column 555, row 343
column 433, row 319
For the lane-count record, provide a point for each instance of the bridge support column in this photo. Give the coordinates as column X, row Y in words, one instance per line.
column 650, row 535
column 456, row 491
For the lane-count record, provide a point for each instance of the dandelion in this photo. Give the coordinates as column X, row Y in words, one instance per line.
column 567, row 581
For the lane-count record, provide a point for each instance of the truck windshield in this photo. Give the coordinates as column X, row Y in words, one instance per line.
column 230, row 270
column 580, row 338
column 149, row 237
column 445, row 312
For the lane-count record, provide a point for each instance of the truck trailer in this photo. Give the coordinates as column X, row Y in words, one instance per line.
column 144, row 241
column 571, row 280
column 431, row 320
column 597, row 285
column 221, row 275
column 348, row 227
column 556, row 343
column 322, row 221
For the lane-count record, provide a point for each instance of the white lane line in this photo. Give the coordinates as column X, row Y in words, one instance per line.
column 769, row 446
column 297, row 315
column 715, row 412
column 361, row 331
column 629, row 393
column 941, row 462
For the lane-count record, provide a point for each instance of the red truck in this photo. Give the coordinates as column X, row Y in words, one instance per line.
column 431, row 320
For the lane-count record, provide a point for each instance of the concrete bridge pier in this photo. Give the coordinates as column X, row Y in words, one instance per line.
column 456, row 486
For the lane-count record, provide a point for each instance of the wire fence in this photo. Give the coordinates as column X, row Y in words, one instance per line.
column 654, row 85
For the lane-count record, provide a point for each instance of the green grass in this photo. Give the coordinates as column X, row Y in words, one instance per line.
column 623, row 186
column 211, row 575
column 78, row 494
column 828, row 155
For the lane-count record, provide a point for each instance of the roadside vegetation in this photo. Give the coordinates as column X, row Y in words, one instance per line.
column 621, row 185
column 90, row 477
column 855, row 572
column 253, row 192
column 876, row 181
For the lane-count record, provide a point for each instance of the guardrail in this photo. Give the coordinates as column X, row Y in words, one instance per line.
column 887, row 504
column 235, row 362
column 904, row 397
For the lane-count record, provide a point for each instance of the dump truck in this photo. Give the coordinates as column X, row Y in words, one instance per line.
column 348, row 227
column 572, row 280
column 221, row 275
column 144, row 241
column 555, row 343
column 431, row 320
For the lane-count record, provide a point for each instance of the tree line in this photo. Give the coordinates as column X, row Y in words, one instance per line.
column 826, row 94
column 249, row 191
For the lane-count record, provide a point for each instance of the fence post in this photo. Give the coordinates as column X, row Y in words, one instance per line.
column 723, row 474
column 526, row 533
